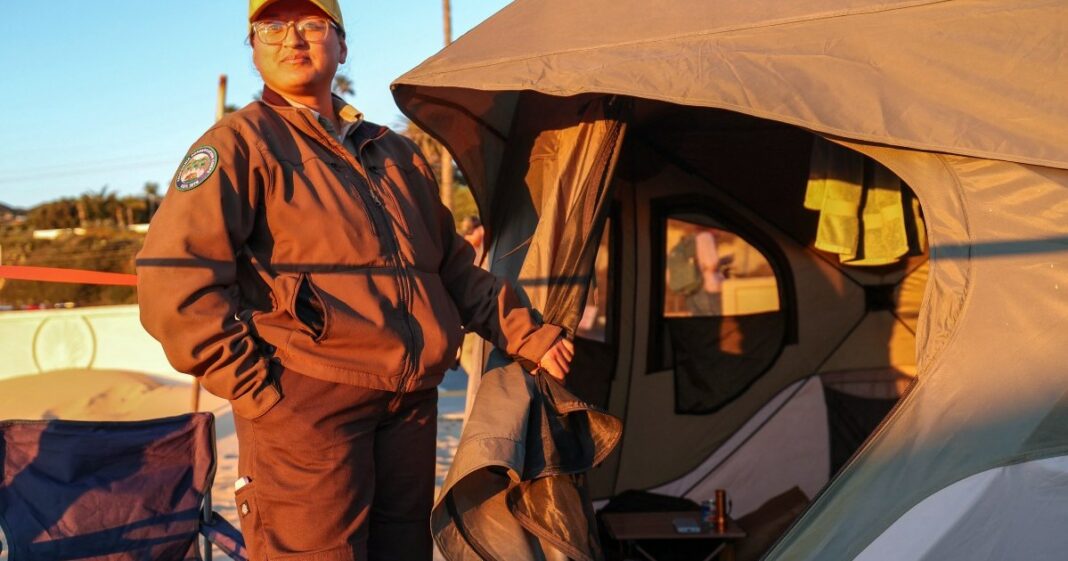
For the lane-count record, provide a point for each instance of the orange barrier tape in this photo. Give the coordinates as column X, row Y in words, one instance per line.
column 75, row 276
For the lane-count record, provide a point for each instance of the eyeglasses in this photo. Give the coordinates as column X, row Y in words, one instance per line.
column 273, row 32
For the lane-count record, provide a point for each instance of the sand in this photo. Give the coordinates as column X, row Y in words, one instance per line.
column 109, row 395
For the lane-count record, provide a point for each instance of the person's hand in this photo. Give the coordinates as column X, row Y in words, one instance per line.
column 556, row 362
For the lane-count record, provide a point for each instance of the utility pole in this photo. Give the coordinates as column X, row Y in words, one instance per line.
column 446, row 158
column 220, row 110
column 220, row 103
column 448, row 21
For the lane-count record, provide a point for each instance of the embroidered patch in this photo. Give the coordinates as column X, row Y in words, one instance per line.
column 197, row 168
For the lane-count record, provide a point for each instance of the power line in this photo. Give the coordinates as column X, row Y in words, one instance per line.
column 67, row 166
column 68, row 173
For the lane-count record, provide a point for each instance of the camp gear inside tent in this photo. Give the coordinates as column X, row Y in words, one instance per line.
column 748, row 359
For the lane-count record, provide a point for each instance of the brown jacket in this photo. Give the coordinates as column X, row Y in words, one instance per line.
column 343, row 268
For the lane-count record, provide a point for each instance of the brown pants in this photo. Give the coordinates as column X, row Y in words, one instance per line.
column 337, row 476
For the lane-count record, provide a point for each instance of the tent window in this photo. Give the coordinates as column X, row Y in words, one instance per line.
column 711, row 271
column 596, row 315
column 721, row 324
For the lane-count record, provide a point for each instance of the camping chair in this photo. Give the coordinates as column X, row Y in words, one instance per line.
column 111, row 490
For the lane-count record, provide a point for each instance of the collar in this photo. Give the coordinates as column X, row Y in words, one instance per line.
column 350, row 118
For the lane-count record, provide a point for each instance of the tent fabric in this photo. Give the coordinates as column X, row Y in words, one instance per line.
column 684, row 484
column 597, row 363
column 970, row 518
column 783, row 447
column 516, row 489
column 959, row 98
column 571, row 167
column 719, row 357
column 115, row 489
column 877, row 329
column 850, row 420
column 967, row 413
column 912, row 73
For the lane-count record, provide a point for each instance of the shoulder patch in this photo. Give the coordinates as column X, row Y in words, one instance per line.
column 196, row 168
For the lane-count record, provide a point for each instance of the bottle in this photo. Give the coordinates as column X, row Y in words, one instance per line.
column 708, row 513
column 722, row 508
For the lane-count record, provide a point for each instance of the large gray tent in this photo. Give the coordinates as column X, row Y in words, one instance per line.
column 965, row 101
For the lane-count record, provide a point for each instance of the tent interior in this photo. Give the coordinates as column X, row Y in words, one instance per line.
column 768, row 378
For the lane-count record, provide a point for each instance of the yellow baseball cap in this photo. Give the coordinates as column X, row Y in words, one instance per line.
column 331, row 8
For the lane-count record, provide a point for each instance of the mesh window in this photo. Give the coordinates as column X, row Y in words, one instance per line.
column 721, row 324
column 711, row 271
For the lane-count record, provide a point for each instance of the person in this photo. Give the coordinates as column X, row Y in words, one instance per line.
column 708, row 301
column 693, row 271
column 303, row 267
column 473, row 232
column 470, row 356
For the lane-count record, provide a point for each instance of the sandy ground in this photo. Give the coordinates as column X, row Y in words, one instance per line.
column 100, row 395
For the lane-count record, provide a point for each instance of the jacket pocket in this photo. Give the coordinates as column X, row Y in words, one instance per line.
column 251, row 523
column 306, row 306
column 311, row 310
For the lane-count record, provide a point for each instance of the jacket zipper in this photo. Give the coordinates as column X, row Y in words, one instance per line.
column 404, row 288
column 404, row 285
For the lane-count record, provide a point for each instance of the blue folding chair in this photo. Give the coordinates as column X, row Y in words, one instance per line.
column 113, row 491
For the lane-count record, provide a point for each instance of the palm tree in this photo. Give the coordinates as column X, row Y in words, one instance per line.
column 430, row 148
column 343, row 85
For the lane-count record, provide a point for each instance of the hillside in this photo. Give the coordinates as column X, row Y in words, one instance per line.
column 99, row 249
column 6, row 211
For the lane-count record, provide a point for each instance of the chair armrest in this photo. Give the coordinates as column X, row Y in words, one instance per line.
column 224, row 536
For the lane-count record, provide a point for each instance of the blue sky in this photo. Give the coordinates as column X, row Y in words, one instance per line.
column 113, row 92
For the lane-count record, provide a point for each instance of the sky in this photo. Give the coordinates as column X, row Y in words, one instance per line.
column 111, row 93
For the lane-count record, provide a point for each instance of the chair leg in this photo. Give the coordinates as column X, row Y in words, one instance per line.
column 206, row 515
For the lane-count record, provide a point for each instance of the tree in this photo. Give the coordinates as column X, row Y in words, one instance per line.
column 135, row 209
column 463, row 202
column 97, row 207
column 151, row 190
column 343, row 85
column 62, row 213
column 430, row 148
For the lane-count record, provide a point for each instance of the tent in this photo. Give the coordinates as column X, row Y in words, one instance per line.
column 921, row 404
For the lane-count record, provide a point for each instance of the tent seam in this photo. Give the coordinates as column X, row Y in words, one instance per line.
column 901, row 282
column 889, row 140
column 934, row 362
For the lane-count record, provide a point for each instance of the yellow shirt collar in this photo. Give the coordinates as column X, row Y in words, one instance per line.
column 348, row 116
